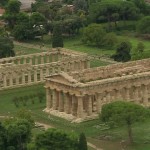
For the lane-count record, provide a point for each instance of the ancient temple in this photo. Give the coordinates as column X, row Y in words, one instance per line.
column 80, row 95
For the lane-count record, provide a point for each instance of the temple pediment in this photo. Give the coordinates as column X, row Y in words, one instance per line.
column 62, row 78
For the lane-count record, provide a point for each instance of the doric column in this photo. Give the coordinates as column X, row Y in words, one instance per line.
column 71, row 66
column 58, row 56
column 80, row 107
column 48, row 99
column 42, row 59
column 65, row 67
column 47, row 58
column 145, row 95
column 47, row 71
column 88, row 64
column 23, row 77
column 53, row 57
column 17, row 80
column 108, row 96
column 99, row 102
column 4, row 81
column 59, row 68
column 136, row 94
column 41, row 74
column 29, row 76
column 66, row 101
column 19, row 61
column 36, row 60
column 10, row 80
column 25, row 60
column 53, row 70
column 61, row 102
column 118, row 95
column 89, row 110
column 35, row 75
column 54, row 97
column 82, row 65
column 73, row 111
column 30, row 60
column 127, row 94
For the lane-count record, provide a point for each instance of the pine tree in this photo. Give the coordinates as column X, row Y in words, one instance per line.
column 57, row 40
column 82, row 142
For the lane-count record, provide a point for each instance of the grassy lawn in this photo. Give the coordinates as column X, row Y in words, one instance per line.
column 74, row 43
column 21, row 50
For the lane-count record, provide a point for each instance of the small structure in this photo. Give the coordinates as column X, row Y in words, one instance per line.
column 80, row 95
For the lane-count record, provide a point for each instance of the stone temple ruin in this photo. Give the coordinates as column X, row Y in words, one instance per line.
column 79, row 95
column 75, row 91
column 31, row 69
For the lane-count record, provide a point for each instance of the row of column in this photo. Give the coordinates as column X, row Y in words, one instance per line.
column 70, row 104
column 138, row 94
column 37, row 74
column 35, row 60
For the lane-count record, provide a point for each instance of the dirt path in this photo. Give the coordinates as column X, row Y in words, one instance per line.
column 93, row 146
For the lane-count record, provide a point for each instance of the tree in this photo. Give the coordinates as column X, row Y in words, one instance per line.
column 3, row 140
column 123, row 52
column 54, row 139
column 143, row 26
column 112, row 11
column 124, row 113
column 81, row 5
column 6, row 47
column 93, row 35
column 40, row 96
column 82, row 142
column 3, row 2
column 25, row 114
column 138, row 51
column 110, row 40
column 18, row 134
column 12, row 9
column 23, row 30
column 57, row 39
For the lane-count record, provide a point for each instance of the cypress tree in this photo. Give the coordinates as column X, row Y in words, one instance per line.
column 82, row 142
column 57, row 40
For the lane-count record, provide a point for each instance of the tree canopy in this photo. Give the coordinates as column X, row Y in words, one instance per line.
column 124, row 113
column 143, row 26
column 123, row 51
column 6, row 47
column 55, row 139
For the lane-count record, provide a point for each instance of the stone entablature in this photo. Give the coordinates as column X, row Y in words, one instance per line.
column 69, row 97
column 27, row 72
column 52, row 55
